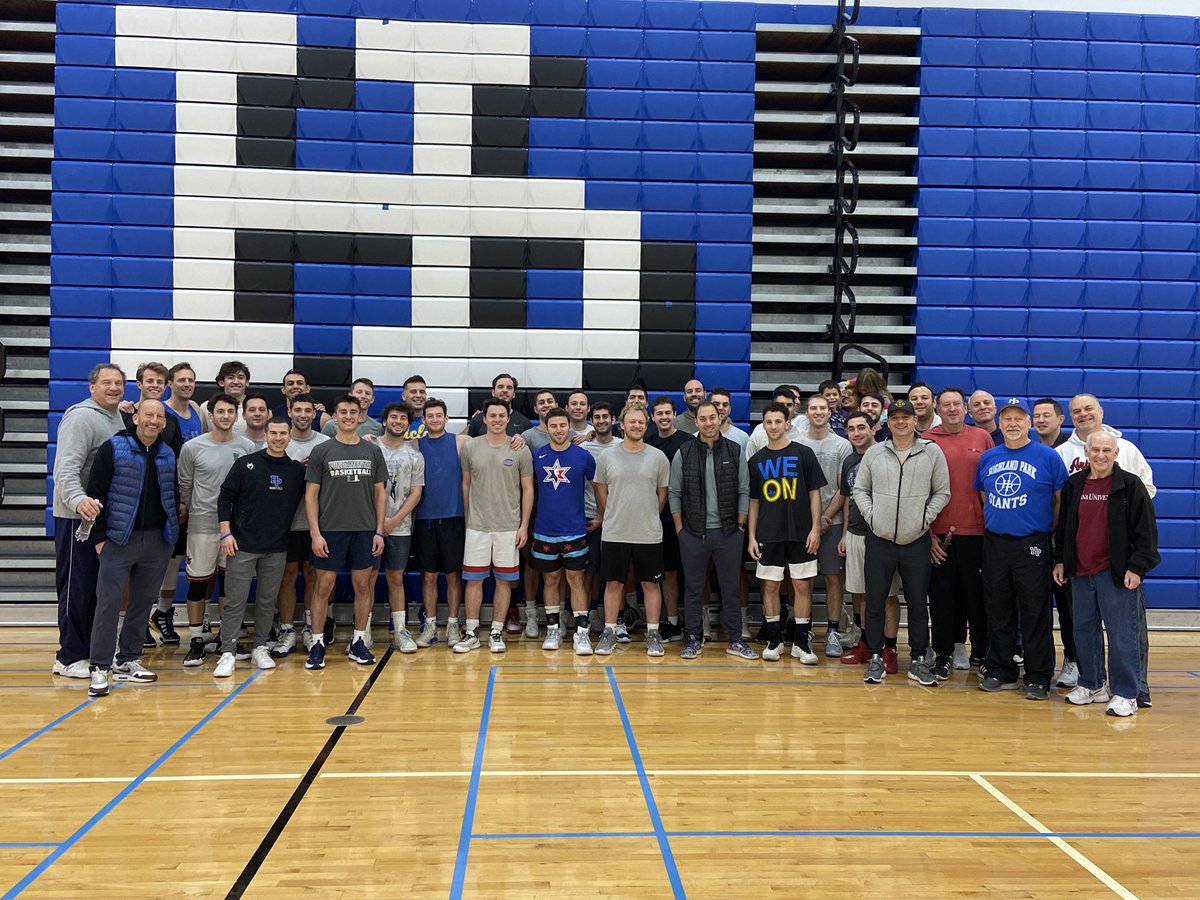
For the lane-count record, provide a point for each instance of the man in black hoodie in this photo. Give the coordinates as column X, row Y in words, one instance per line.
column 257, row 503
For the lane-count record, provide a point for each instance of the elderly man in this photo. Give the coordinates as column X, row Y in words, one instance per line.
column 983, row 414
column 1105, row 543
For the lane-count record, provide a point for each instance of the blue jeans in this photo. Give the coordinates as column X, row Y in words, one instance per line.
column 1098, row 603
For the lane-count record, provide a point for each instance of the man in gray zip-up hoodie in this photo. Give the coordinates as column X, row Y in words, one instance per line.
column 902, row 485
column 84, row 428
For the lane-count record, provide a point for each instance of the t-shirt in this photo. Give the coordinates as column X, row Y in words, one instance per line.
column 405, row 470
column 561, row 477
column 203, row 465
column 191, row 427
column 1020, row 487
column 443, row 475
column 668, row 445
column 780, row 481
column 494, row 502
column 517, row 423
column 347, row 474
column 759, row 440
column 1091, row 536
column 416, row 429
column 300, row 451
column 736, row 435
column 595, row 448
column 831, row 452
column 633, row 479
column 535, row 438
column 856, row 524
column 367, row 427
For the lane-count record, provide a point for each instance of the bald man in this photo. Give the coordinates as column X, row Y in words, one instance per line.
column 693, row 396
column 983, row 414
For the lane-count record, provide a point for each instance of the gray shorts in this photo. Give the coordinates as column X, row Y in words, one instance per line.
column 396, row 552
column 828, row 560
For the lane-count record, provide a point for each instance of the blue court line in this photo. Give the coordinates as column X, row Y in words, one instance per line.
column 112, row 804
column 660, row 832
column 468, row 821
column 567, row 835
column 1194, row 674
column 1073, row 835
column 37, row 734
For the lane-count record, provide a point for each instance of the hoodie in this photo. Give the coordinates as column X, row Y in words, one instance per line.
column 1074, row 457
column 899, row 501
column 84, row 428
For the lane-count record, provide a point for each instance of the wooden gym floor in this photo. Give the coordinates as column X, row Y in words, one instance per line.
column 536, row 774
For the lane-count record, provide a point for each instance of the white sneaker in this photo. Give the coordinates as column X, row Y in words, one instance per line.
column 1123, row 707
column 553, row 638
column 307, row 637
column 531, row 625
column 622, row 633
column 453, row 632
column 496, row 642
column 261, row 657
column 1082, row 696
column 467, row 643
column 804, row 653
column 225, row 666
column 427, row 636
column 133, row 671
column 78, row 669
column 582, row 643
column 99, row 681
column 1069, row 676
column 403, row 641
column 960, row 659
column 285, row 644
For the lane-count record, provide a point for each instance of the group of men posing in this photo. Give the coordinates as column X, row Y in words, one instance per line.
column 961, row 516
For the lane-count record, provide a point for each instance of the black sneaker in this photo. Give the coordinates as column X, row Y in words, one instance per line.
column 1036, row 692
column 669, row 632
column 977, row 661
column 240, row 651
column 1143, row 701
column 330, row 631
column 763, row 636
column 165, row 623
column 992, row 684
column 195, row 654
column 630, row 618
column 148, row 642
column 941, row 668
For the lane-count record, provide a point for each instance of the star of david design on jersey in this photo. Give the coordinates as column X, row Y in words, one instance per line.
column 1008, row 484
column 556, row 474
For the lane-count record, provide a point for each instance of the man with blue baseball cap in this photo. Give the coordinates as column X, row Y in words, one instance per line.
column 1019, row 483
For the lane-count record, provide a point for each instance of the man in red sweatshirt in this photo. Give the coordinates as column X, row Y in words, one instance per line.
column 956, row 585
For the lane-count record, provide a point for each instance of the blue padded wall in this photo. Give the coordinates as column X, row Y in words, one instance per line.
column 1059, row 169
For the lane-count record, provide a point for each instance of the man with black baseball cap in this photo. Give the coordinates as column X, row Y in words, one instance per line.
column 1019, row 482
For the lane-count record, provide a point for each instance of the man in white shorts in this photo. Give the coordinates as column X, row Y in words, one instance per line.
column 405, row 482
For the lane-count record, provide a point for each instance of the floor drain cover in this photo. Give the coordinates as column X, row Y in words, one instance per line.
column 346, row 720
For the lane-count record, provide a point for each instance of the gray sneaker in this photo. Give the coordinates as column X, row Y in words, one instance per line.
column 833, row 645
column 582, row 643
column 1069, row 676
column 403, row 641
column 608, row 642
column 959, row 659
column 654, row 644
column 553, row 638
column 920, row 672
column 622, row 634
column 875, row 671
column 453, row 632
column 531, row 624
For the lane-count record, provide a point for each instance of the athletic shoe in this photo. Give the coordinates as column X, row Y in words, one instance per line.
column 195, row 654
column 608, row 642
column 99, row 681
column 1144, row 701
column 453, row 632
column 272, row 638
column 774, row 650
column 241, row 651
column 833, row 645
column 708, row 629
column 427, row 636
column 977, row 662
column 358, row 652
column 212, row 639
column 306, row 637
column 941, row 668
column 669, row 632
column 741, row 650
column 149, row 642
column 403, row 642
column 496, row 642
column 1122, row 707
column 81, row 668
column 133, row 671
column 960, row 660
column 1036, row 692
column 850, row 635
column 513, row 624
column 919, row 671
column 654, row 644
column 582, row 643
column 630, row 617
column 622, row 633
column 762, row 635
column 165, row 623
column 1082, row 696
column 225, row 666
column 285, row 644
column 858, row 655
column 692, row 647
column 1019, row 656
column 531, row 625
column 553, row 637
column 316, row 656
column 330, row 631
column 876, row 671
column 468, row 642
column 1069, row 676
column 891, row 660
column 261, row 657
column 595, row 621
column 802, row 650
column 992, row 684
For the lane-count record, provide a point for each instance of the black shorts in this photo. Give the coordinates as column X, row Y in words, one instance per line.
column 595, row 541
column 646, row 559
column 670, row 544
column 181, row 544
column 551, row 556
column 437, row 544
column 299, row 546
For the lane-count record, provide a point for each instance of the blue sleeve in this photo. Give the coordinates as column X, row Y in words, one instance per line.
column 1059, row 469
column 589, row 466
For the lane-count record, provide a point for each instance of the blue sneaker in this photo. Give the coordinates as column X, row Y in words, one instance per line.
column 316, row 656
column 360, row 654
column 691, row 648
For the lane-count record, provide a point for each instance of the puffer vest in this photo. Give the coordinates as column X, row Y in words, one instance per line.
column 125, row 492
column 694, row 500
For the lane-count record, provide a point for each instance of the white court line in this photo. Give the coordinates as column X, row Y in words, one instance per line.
column 1107, row 880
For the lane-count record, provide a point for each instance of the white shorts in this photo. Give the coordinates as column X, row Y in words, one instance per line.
column 204, row 556
column 856, row 556
column 491, row 553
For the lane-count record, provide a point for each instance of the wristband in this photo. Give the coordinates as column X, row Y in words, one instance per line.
column 227, row 535
column 380, row 534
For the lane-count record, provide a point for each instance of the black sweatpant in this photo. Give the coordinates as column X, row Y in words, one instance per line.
column 1016, row 590
column 1066, row 622
column 956, row 597
column 883, row 558
column 77, row 568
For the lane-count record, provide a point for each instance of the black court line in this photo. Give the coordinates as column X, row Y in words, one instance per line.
column 289, row 808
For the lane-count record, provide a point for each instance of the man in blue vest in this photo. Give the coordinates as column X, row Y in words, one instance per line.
column 135, row 533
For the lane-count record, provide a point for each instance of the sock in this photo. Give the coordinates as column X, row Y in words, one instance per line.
column 803, row 629
column 858, row 619
column 673, row 620
column 286, row 629
column 472, row 626
column 319, row 638
column 497, row 626
column 890, row 643
column 832, row 625
column 359, row 636
column 196, row 631
column 650, row 628
column 552, row 615
column 165, row 604
column 308, row 620
column 772, row 627
column 398, row 620
column 610, row 626
column 581, row 622
column 531, row 607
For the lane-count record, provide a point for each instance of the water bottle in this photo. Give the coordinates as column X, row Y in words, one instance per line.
column 948, row 538
column 84, row 531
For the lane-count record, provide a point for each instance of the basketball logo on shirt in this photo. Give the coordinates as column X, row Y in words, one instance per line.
column 556, row 474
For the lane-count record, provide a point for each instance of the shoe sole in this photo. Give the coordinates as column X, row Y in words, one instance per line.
column 1005, row 686
column 103, row 693
column 552, row 647
column 874, row 680
column 222, row 674
column 313, row 668
column 600, row 652
column 916, row 680
column 192, row 663
column 129, row 679
column 584, row 652
column 458, row 648
column 806, row 662
column 361, row 661
column 655, row 653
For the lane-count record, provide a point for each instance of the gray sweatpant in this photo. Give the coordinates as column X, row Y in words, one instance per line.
column 240, row 570
column 724, row 551
column 141, row 562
